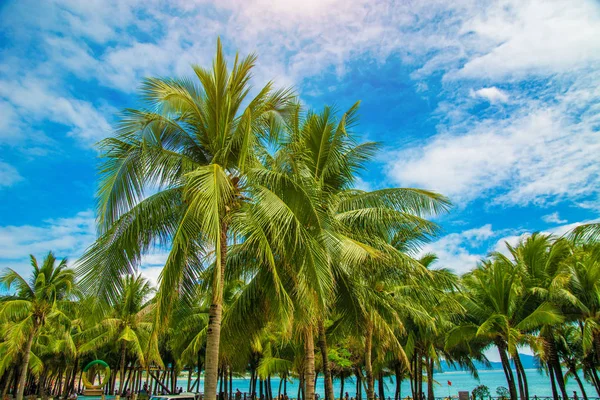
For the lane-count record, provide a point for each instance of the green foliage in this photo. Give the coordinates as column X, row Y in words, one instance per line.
column 481, row 392
column 502, row 392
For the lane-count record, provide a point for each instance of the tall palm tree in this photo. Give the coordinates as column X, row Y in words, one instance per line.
column 35, row 302
column 352, row 226
column 584, row 285
column 493, row 300
column 541, row 262
column 128, row 323
column 194, row 146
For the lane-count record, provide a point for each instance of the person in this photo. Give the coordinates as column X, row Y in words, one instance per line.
column 346, row 397
column 574, row 394
column 180, row 390
column 238, row 394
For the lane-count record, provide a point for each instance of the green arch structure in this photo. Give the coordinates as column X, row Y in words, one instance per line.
column 86, row 382
column 92, row 363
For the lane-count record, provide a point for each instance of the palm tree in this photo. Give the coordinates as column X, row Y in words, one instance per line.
column 128, row 323
column 353, row 227
column 493, row 300
column 541, row 260
column 570, row 351
column 34, row 303
column 584, row 285
column 194, row 146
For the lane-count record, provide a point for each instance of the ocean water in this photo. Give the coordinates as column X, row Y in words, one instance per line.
column 539, row 384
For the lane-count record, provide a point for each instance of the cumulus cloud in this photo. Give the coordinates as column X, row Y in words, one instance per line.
column 460, row 251
column 553, row 218
column 491, row 94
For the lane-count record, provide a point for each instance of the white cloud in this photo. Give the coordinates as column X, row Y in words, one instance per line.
column 557, row 231
column 553, row 218
column 491, row 94
column 34, row 101
column 481, row 44
column 512, row 38
column 540, row 156
column 459, row 251
column 66, row 237
column 8, row 175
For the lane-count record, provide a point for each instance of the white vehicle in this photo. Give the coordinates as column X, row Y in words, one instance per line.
column 180, row 396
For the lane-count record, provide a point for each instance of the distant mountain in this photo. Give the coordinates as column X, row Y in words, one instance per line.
column 527, row 361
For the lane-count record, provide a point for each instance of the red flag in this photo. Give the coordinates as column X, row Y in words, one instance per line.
column 449, row 383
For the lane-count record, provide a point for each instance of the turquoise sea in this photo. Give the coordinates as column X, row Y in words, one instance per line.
column 539, row 384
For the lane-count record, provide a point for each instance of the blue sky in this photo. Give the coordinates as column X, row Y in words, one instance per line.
column 493, row 103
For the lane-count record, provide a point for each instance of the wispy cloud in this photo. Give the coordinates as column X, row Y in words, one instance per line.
column 554, row 218
column 8, row 175
column 540, row 155
column 66, row 237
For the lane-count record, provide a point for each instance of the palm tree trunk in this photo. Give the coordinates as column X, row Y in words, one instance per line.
column 342, row 385
column 552, row 381
column 555, row 363
column 521, row 379
column 398, row 372
column 309, row 374
column 358, row 385
column 510, row 378
column 419, row 376
column 326, row 366
column 215, row 313
column 595, row 379
column 413, row 374
column 7, row 383
column 59, row 381
column 380, row 387
column 281, row 379
column 430, row 395
column 25, row 364
column 368, row 363
column 122, row 368
column 578, row 379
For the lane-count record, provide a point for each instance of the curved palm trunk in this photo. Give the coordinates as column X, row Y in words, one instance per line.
column 552, row 381
column 309, row 368
column 213, row 332
column 510, row 378
column 368, row 363
column 521, row 377
column 555, row 364
column 25, row 364
column 578, row 379
column 326, row 366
